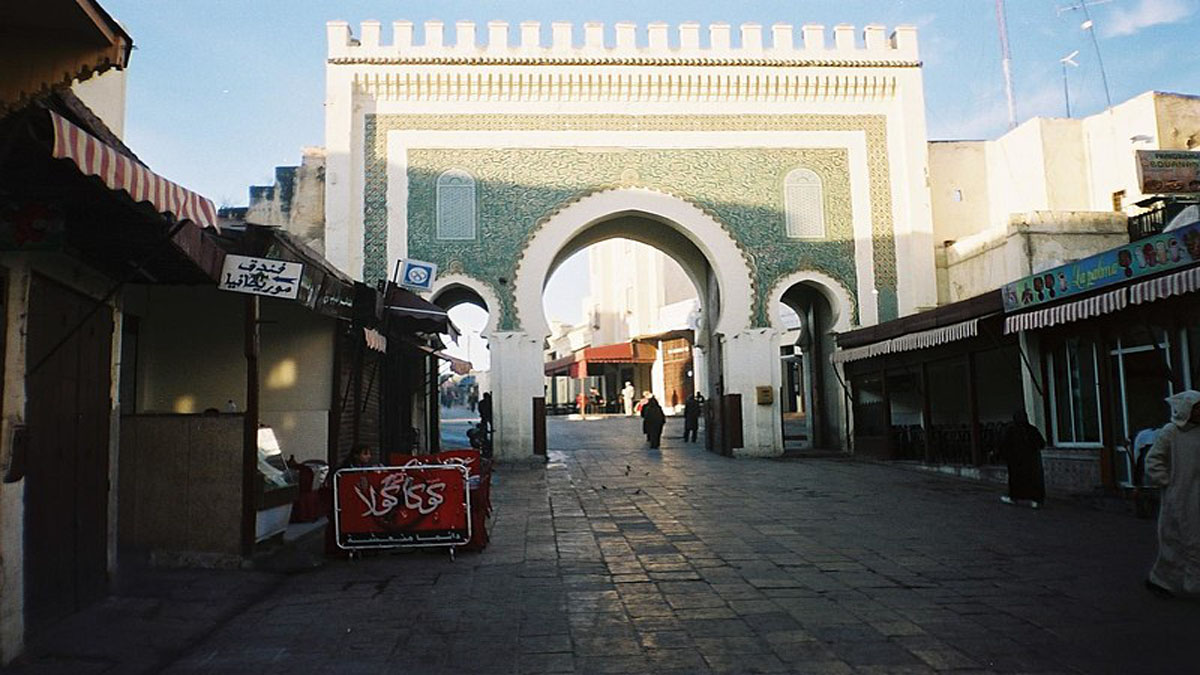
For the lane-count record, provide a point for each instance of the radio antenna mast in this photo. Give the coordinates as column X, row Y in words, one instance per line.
column 1006, row 55
column 1090, row 27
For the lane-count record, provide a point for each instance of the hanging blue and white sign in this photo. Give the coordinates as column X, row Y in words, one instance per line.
column 417, row 274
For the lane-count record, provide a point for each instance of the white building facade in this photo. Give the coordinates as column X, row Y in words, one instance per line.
column 773, row 172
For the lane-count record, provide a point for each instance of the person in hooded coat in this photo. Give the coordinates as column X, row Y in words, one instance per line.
column 1174, row 462
column 653, row 420
column 1023, row 445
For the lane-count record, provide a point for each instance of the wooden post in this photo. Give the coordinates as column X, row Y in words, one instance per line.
column 926, row 413
column 539, row 425
column 888, row 451
column 434, row 406
column 816, row 412
column 250, row 429
column 973, row 408
column 1107, row 381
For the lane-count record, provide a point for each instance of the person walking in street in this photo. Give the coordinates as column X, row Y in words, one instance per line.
column 485, row 411
column 653, row 420
column 627, row 398
column 1023, row 445
column 691, row 417
column 1174, row 463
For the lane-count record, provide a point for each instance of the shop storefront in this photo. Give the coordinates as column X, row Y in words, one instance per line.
column 1115, row 335
column 937, row 388
column 594, row 377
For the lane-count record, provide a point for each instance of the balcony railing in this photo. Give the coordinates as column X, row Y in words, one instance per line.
column 1154, row 221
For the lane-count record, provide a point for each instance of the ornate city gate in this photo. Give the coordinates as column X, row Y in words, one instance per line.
column 774, row 174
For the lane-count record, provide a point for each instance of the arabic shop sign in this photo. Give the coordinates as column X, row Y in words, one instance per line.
column 1168, row 172
column 261, row 276
column 1142, row 258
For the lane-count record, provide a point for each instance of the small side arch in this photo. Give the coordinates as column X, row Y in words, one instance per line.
column 840, row 299
column 448, row 284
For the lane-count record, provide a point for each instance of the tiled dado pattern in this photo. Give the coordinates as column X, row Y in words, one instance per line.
column 519, row 189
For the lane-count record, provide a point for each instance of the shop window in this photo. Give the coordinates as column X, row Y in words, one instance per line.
column 1074, row 393
column 998, row 389
column 870, row 410
column 804, row 202
column 455, row 205
column 907, row 403
column 1142, row 373
column 950, row 410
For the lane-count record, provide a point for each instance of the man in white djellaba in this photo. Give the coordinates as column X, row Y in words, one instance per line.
column 627, row 398
column 1174, row 462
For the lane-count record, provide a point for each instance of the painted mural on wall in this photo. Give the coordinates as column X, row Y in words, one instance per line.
column 743, row 188
column 1142, row 258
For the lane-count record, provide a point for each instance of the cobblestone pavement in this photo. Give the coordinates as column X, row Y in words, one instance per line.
column 615, row 558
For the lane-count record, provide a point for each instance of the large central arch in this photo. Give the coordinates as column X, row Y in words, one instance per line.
column 718, row 267
column 567, row 228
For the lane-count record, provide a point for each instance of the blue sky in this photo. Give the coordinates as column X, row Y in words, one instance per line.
column 222, row 91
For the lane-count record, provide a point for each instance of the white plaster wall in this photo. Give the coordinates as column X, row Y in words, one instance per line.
column 912, row 208
column 296, row 377
column 1066, row 172
column 1016, row 175
column 191, row 357
column 1062, row 165
column 1111, row 148
column 630, row 285
column 958, row 168
column 752, row 360
column 1178, row 121
column 190, row 350
column 1032, row 242
column 104, row 94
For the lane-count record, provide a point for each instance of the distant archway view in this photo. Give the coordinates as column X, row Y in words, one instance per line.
column 624, row 320
column 462, row 375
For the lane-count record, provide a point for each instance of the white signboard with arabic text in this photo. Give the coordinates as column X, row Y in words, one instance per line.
column 261, row 276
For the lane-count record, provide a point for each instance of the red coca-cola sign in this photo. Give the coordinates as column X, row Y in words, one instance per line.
column 398, row 506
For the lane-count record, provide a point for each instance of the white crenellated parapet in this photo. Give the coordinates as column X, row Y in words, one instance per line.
column 626, row 41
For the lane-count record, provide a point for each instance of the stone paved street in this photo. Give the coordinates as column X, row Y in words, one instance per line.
column 615, row 558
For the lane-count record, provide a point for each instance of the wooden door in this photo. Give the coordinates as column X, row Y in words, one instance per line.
column 66, row 478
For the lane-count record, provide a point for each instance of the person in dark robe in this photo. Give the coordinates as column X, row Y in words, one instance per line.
column 1023, row 445
column 653, row 420
column 691, row 417
column 485, row 411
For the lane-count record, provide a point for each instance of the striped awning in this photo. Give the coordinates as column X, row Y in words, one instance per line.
column 1105, row 303
column 910, row 342
column 120, row 172
column 1187, row 281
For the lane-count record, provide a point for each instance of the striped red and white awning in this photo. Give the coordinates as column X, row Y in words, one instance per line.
column 910, row 342
column 1105, row 303
column 119, row 172
column 1187, row 281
